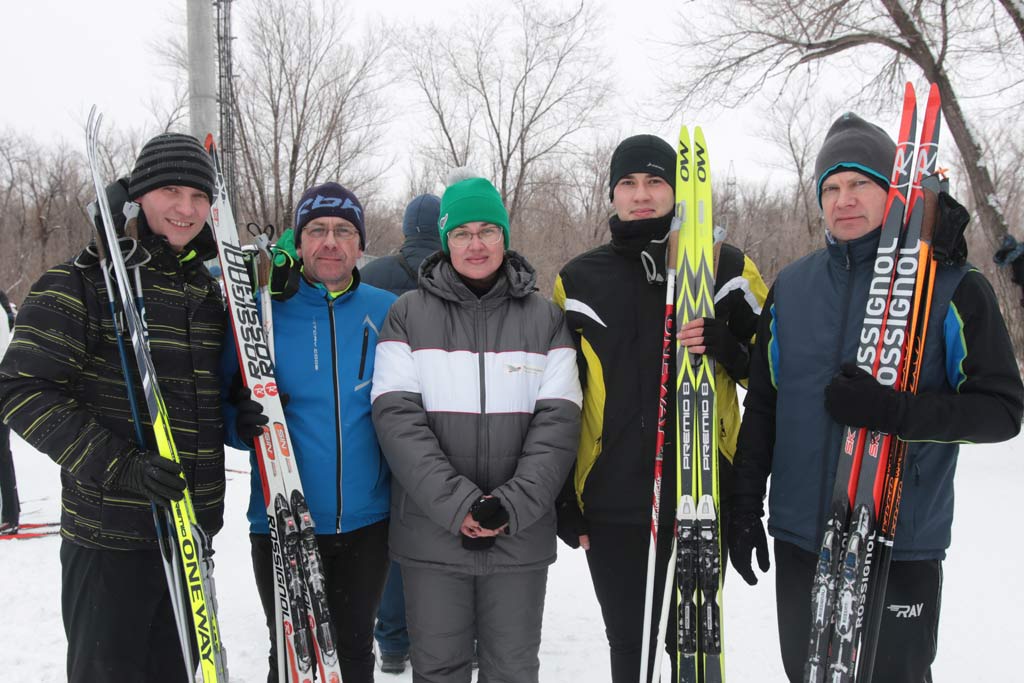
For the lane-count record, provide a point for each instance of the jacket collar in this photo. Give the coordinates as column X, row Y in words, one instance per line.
column 855, row 253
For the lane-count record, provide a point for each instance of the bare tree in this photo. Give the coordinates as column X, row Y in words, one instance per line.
column 309, row 106
column 509, row 90
column 757, row 41
column 1016, row 12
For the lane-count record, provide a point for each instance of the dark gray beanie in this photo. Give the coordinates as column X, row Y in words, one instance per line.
column 421, row 215
column 853, row 144
column 642, row 154
column 172, row 159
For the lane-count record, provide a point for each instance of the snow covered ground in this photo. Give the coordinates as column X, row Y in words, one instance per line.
column 980, row 630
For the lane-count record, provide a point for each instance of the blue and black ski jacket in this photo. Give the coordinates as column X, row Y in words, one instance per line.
column 970, row 392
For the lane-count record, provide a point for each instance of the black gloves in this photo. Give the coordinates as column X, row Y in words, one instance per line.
column 746, row 533
column 723, row 346
column 855, row 398
column 151, row 476
column 490, row 514
column 571, row 524
column 250, row 420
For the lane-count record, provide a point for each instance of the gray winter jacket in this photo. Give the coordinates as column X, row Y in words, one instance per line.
column 473, row 396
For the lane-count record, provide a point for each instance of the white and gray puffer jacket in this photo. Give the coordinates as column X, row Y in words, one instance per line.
column 474, row 396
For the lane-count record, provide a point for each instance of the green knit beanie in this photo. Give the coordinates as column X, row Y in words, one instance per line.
column 473, row 199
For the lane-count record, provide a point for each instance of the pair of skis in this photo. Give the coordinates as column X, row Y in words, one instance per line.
column 849, row 584
column 695, row 561
column 189, row 551
column 305, row 635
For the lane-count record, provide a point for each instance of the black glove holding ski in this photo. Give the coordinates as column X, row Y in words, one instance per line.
column 746, row 534
column 856, row 399
column 250, row 420
column 151, row 476
column 726, row 349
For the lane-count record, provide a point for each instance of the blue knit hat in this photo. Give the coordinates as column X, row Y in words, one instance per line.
column 421, row 215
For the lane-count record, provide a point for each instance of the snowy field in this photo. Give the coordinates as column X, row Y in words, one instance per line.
column 980, row 632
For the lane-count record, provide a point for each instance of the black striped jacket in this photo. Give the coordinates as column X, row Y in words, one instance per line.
column 62, row 389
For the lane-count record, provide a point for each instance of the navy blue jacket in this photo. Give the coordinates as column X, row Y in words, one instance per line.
column 395, row 273
column 970, row 391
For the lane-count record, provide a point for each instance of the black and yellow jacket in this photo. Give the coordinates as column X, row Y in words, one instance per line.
column 617, row 321
column 63, row 391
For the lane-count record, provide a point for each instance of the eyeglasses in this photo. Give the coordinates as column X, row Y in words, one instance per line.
column 342, row 233
column 461, row 237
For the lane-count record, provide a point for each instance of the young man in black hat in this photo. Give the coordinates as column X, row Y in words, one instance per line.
column 62, row 389
column 614, row 299
column 804, row 388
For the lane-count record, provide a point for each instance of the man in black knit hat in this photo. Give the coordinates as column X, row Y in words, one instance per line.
column 614, row 299
column 62, row 389
column 804, row 388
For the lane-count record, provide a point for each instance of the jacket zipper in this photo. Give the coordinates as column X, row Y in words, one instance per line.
column 337, row 407
column 362, row 355
column 825, row 501
column 481, row 451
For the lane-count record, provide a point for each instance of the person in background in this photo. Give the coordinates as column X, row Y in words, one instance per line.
column 399, row 273
column 10, row 505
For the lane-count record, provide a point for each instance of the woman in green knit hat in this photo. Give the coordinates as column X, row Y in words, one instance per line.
column 476, row 400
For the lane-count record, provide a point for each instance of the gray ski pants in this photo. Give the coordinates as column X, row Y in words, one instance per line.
column 447, row 611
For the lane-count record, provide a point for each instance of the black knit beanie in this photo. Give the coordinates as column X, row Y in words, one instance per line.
column 172, row 159
column 642, row 154
column 853, row 144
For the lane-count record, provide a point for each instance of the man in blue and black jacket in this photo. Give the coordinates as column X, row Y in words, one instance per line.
column 325, row 336
column 804, row 388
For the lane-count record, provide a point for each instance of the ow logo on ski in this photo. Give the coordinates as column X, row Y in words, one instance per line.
column 702, row 164
column 906, row 611
column 684, row 162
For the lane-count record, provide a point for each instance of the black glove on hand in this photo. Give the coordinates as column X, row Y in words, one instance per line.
column 746, row 533
column 490, row 514
column 855, row 398
column 250, row 420
column 151, row 476
column 571, row 524
column 723, row 346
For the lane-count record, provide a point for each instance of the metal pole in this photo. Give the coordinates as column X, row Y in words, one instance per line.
column 202, row 69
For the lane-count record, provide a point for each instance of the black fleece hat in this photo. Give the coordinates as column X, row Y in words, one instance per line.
column 642, row 154
column 853, row 144
column 172, row 159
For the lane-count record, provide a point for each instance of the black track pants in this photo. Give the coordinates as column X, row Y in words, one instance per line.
column 908, row 639
column 117, row 617
column 355, row 568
